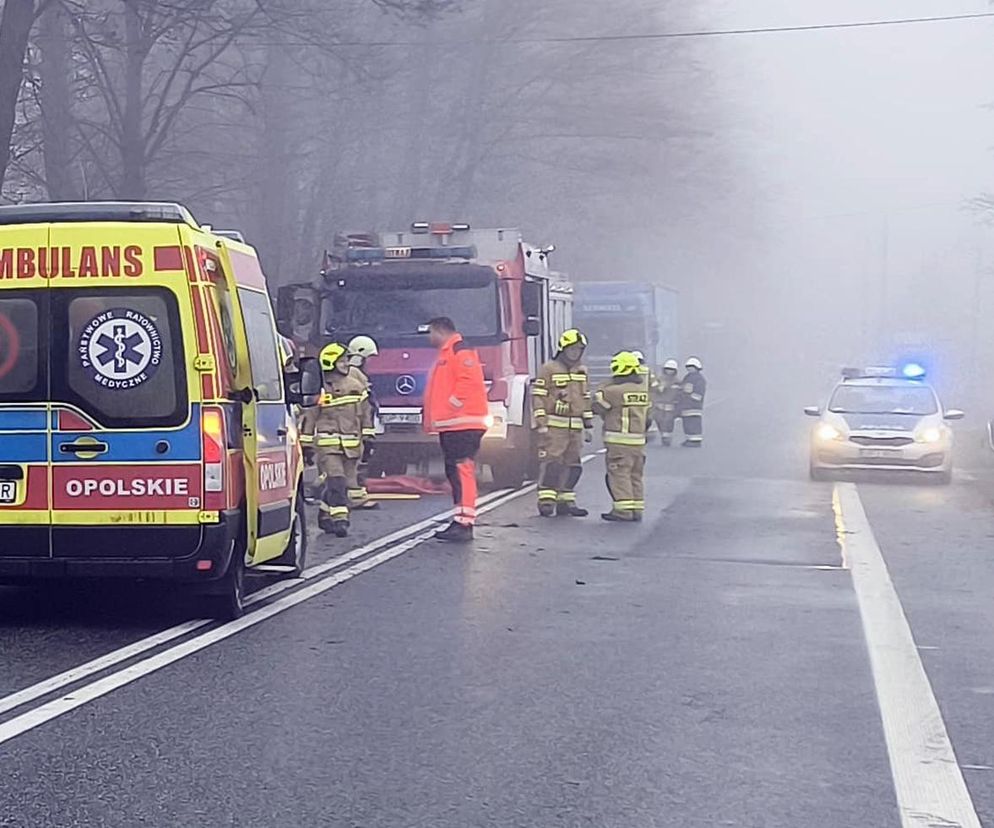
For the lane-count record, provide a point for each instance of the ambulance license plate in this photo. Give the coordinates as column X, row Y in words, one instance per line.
column 8, row 491
column 880, row 454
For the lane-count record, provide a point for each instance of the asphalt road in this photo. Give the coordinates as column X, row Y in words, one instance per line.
column 716, row 666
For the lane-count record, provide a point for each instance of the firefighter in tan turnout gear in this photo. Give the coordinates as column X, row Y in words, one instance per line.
column 666, row 400
column 623, row 403
column 563, row 421
column 362, row 348
column 332, row 434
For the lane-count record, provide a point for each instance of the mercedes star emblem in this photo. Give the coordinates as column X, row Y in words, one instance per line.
column 405, row 384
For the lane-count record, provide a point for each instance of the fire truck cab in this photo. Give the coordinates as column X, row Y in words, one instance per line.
column 497, row 289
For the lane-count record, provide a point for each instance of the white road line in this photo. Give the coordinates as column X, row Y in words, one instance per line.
column 84, row 695
column 928, row 781
column 143, row 645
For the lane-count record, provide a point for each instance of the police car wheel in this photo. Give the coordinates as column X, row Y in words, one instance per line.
column 816, row 474
column 295, row 554
column 944, row 478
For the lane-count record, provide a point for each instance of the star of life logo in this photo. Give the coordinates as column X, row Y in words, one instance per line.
column 120, row 348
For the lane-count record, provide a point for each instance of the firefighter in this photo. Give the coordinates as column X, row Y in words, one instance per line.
column 692, row 403
column 456, row 409
column 361, row 348
column 648, row 376
column 650, row 380
column 332, row 434
column 563, row 422
column 666, row 399
column 623, row 403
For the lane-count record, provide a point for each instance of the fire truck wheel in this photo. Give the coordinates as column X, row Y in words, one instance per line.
column 511, row 471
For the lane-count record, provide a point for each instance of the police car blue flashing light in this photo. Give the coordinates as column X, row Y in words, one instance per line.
column 912, row 370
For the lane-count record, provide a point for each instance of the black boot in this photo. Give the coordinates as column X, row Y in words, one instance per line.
column 456, row 533
column 614, row 517
column 570, row 510
column 665, row 440
column 325, row 523
column 340, row 528
column 546, row 508
column 692, row 444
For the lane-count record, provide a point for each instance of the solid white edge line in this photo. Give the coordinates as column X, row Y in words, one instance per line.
column 928, row 782
column 143, row 645
column 83, row 695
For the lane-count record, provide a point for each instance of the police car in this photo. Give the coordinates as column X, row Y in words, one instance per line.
column 883, row 419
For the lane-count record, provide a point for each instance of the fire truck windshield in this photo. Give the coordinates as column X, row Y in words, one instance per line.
column 396, row 312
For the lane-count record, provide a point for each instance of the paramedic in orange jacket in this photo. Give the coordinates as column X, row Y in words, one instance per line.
column 456, row 409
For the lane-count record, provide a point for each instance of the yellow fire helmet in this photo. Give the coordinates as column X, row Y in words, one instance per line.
column 330, row 354
column 624, row 364
column 572, row 337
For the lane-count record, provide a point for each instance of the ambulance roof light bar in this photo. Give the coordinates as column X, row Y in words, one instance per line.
column 93, row 211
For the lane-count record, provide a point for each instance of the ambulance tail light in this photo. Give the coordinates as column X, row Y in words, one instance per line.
column 214, row 445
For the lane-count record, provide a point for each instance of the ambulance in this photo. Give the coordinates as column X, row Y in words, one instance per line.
column 145, row 418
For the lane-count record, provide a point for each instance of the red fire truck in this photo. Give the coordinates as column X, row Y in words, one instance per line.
column 498, row 290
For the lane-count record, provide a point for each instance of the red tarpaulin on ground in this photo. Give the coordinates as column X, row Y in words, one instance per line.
column 406, row 484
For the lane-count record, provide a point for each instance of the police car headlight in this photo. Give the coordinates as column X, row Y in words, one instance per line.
column 828, row 432
column 929, row 435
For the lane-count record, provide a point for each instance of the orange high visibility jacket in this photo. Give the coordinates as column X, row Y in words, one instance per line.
column 456, row 396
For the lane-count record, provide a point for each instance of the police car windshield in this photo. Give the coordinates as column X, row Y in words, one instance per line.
column 399, row 312
column 917, row 400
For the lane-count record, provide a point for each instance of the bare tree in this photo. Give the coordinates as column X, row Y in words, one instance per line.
column 15, row 28
column 149, row 62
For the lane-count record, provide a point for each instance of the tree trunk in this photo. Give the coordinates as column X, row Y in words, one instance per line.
column 133, row 161
column 55, row 69
column 15, row 26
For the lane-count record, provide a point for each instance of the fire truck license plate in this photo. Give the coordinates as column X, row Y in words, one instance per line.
column 8, row 491
column 401, row 419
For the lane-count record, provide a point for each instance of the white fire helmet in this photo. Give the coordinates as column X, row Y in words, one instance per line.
column 363, row 346
column 694, row 362
column 671, row 365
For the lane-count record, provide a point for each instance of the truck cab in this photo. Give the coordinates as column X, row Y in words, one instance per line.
column 497, row 289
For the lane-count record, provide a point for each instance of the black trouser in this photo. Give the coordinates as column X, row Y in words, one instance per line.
column 459, row 449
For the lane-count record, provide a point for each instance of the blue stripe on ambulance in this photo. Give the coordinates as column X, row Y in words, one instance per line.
column 24, row 448
column 184, row 445
column 23, row 435
column 23, row 419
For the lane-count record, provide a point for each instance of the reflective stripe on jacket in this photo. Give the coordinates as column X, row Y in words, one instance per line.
column 561, row 396
column 456, row 395
column 341, row 416
column 623, row 403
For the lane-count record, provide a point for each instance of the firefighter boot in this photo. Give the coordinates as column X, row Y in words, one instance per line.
column 325, row 523
column 548, row 490
column 566, row 507
column 617, row 517
column 340, row 528
column 456, row 533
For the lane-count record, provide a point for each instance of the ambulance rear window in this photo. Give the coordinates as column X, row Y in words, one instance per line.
column 120, row 356
column 20, row 377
